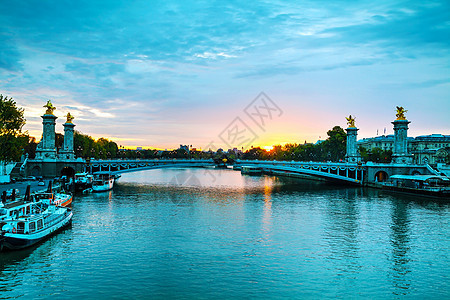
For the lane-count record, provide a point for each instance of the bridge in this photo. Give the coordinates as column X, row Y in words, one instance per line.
column 340, row 172
column 345, row 172
column 118, row 166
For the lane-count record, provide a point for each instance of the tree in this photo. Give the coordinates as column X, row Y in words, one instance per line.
column 86, row 146
column 334, row 147
column 255, row 153
column 377, row 155
column 12, row 140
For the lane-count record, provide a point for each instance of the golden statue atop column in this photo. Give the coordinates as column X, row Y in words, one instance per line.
column 401, row 113
column 352, row 154
column 50, row 108
column 69, row 118
column 351, row 121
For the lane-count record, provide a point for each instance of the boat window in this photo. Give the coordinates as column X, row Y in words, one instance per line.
column 39, row 224
column 32, row 226
column 3, row 211
column 20, row 227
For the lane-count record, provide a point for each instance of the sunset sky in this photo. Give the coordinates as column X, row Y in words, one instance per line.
column 163, row 73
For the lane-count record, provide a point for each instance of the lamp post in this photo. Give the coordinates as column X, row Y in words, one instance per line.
column 80, row 151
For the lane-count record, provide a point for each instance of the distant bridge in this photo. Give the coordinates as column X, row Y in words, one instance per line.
column 350, row 173
column 119, row 166
column 344, row 172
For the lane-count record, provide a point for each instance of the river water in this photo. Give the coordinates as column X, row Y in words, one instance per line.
column 215, row 234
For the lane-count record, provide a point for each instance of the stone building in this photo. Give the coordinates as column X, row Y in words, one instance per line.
column 433, row 148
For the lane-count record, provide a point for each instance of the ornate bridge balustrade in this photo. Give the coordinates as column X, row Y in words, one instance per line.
column 122, row 166
column 343, row 172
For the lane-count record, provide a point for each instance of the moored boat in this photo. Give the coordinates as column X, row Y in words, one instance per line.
column 40, row 222
column 432, row 185
column 251, row 170
column 59, row 199
column 83, row 181
column 53, row 198
column 103, row 181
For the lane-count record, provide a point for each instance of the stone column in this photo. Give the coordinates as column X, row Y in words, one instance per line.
column 352, row 154
column 400, row 154
column 67, row 152
column 46, row 148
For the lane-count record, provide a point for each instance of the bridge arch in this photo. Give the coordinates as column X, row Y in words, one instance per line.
column 36, row 171
column 381, row 176
column 68, row 171
column 125, row 166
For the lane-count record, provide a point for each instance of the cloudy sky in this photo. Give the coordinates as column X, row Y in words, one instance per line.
column 164, row 73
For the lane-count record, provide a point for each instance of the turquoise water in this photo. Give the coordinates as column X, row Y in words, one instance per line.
column 209, row 234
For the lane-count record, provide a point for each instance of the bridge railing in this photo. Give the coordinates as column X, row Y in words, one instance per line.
column 156, row 160
column 295, row 163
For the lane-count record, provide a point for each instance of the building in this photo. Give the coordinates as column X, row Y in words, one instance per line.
column 433, row 148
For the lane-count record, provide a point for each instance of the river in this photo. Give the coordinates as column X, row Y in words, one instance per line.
column 215, row 234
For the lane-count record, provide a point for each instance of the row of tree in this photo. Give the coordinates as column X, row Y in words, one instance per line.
column 14, row 143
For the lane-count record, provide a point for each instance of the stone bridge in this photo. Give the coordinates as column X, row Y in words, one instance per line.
column 345, row 172
column 340, row 172
column 118, row 166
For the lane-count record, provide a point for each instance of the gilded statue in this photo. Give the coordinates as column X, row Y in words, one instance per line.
column 50, row 108
column 69, row 118
column 350, row 121
column 401, row 113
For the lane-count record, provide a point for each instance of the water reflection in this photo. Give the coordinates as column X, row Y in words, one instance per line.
column 267, row 217
column 400, row 247
column 341, row 231
column 16, row 266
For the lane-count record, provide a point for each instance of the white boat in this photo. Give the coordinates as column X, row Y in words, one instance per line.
column 38, row 223
column 14, row 209
column 59, row 199
column 103, row 181
column 83, row 181
column 11, row 208
column 50, row 197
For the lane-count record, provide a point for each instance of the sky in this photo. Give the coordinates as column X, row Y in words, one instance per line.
column 227, row 73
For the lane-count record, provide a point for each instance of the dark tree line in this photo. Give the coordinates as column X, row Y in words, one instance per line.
column 85, row 146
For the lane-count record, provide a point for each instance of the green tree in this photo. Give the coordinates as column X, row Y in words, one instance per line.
column 334, row 148
column 376, row 154
column 255, row 153
column 12, row 140
column 86, row 146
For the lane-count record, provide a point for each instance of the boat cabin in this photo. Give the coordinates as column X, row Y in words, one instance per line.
column 420, row 181
column 251, row 170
